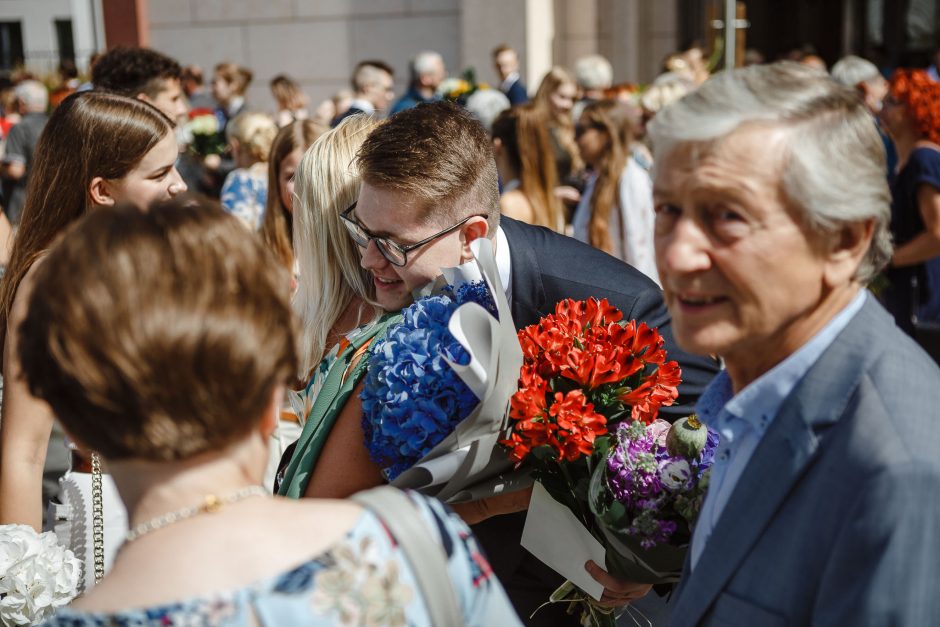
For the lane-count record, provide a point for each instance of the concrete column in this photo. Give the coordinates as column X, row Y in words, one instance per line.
column 126, row 22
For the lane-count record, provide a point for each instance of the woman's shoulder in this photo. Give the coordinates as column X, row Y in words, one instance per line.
column 516, row 205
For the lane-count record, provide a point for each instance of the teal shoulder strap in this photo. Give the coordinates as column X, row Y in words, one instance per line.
column 340, row 382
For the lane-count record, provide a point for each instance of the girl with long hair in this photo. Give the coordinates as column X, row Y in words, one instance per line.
column 277, row 227
column 97, row 149
column 615, row 213
column 522, row 150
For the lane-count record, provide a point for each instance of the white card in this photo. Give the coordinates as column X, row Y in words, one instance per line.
column 555, row 535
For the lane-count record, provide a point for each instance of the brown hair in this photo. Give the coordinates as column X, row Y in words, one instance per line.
column 611, row 118
column 440, row 154
column 239, row 77
column 501, row 48
column 158, row 334
column 131, row 71
column 563, row 125
column 277, row 228
column 287, row 92
column 522, row 132
column 90, row 134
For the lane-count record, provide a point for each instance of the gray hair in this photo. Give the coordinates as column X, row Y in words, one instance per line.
column 426, row 62
column 834, row 169
column 851, row 71
column 593, row 72
column 486, row 104
column 33, row 95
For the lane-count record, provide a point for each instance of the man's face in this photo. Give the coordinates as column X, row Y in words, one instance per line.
column 381, row 92
column 169, row 99
column 432, row 79
column 740, row 276
column 506, row 63
column 395, row 215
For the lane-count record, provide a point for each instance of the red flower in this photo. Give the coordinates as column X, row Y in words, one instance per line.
column 586, row 343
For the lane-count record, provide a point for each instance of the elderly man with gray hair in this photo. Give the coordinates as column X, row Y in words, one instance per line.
column 427, row 72
column 824, row 501
column 33, row 100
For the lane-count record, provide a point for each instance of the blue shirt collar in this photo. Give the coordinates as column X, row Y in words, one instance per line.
column 760, row 401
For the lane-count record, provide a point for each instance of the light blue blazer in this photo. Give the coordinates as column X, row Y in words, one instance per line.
column 836, row 519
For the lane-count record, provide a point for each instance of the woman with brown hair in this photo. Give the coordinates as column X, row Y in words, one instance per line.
column 96, row 150
column 911, row 116
column 163, row 339
column 288, row 148
column 522, row 150
column 556, row 96
column 291, row 101
column 616, row 210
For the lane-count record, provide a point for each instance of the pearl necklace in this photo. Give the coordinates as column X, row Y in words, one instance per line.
column 211, row 504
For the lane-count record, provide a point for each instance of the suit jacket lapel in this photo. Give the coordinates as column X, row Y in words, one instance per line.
column 783, row 455
column 528, row 293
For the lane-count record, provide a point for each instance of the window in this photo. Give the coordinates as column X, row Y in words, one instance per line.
column 63, row 34
column 11, row 46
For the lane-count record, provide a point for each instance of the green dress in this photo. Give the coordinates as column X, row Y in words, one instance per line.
column 342, row 378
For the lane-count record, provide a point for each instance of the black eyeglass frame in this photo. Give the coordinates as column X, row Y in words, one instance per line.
column 354, row 228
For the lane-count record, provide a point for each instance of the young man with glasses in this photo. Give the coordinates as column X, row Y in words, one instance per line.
column 429, row 189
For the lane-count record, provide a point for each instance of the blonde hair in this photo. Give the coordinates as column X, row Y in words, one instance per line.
column 326, row 183
column 255, row 132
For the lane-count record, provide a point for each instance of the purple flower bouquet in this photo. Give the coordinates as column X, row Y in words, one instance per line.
column 648, row 494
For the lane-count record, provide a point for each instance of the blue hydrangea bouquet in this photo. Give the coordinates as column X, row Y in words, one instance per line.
column 439, row 384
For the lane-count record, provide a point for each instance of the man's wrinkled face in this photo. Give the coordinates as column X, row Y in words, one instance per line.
column 740, row 275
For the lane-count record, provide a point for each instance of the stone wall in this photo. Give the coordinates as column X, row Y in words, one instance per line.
column 318, row 42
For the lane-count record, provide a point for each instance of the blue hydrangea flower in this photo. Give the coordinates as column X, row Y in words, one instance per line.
column 412, row 399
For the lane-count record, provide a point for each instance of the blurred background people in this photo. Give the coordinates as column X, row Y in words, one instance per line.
column 427, row 72
column 506, row 61
column 911, row 116
column 616, row 210
column 291, row 101
column 144, row 74
column 32, row 101
column 594, row 75
column 373, row 90
column 556, row 96
column 193, row 83
column 524, row 160
column 245, row 191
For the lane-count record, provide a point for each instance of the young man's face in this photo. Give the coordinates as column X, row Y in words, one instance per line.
column 169, row 99
column 396, row 216
column 507, row 62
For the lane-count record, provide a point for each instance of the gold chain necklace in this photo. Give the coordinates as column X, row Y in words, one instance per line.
column 210, row 504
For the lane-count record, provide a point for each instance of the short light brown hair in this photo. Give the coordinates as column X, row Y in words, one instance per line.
column 158, row 334
column 440, row 154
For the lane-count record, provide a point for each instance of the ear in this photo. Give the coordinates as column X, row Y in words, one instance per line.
column 269, row 418
column 846, row 253
column 475, row 228
column 100, row 191
column 143, row 97
column 497, row 146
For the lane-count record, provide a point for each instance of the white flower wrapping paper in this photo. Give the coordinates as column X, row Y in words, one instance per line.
column 470, row 464
column 37, row 575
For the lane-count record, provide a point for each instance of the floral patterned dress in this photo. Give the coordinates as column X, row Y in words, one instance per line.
column 245, row 194
column 364, row 579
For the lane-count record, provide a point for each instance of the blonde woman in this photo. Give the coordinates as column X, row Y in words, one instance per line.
column 339, row 318
column 245, row 191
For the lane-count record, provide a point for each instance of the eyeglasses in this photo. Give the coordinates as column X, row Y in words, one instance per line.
column 395, row 254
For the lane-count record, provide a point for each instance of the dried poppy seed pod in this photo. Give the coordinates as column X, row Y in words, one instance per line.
column 687, row 438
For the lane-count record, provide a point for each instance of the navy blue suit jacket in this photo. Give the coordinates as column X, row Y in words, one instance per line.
column 517, row 93
column 547, row 268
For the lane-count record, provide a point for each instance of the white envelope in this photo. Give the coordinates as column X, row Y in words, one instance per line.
column 554, row 534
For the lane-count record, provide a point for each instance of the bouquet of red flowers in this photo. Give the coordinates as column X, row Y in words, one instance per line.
column 585, row 372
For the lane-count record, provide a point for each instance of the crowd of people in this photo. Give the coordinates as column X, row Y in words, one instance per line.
column 183, row 356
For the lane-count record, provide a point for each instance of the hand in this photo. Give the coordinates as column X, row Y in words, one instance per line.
column 568, row 195
column 473, row 512
column 617, row 592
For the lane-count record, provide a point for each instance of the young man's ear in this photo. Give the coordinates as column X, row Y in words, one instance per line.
column 100, row 191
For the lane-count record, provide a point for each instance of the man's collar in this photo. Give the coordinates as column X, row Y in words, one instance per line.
column 512, row 78
column 363, row 105
column 504, row 262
